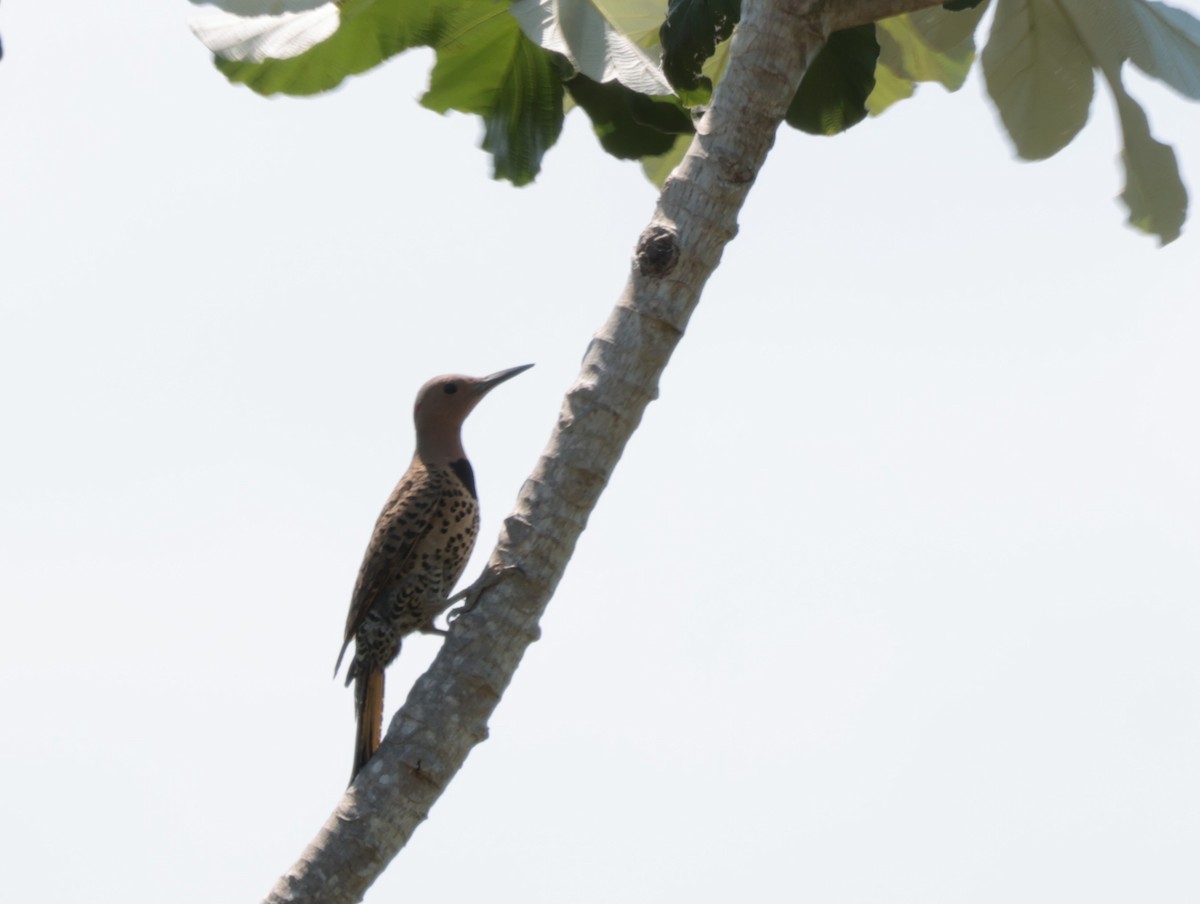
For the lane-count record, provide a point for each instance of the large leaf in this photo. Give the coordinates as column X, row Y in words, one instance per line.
column 931, row 45
column 514, row 85
column 630, row 125
column 1039, row 76
column 1162, row 41
column 889, row 89
column 613, row 41
column 368, row 32
column 690, row 35
column 1039, row 64
column 1127, row 29
column 1170, row 50
column 1154, row 191
column 833, row 93
column 485, row 65
column 261, row 37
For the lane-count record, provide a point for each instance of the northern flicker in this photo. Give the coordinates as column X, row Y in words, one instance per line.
column 419, row 547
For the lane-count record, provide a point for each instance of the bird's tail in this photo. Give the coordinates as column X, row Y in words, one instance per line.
column 368, row 707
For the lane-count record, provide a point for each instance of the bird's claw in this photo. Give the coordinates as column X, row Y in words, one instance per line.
column 492, row 575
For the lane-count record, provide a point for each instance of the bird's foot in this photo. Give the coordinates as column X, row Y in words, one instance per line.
column 492, row 575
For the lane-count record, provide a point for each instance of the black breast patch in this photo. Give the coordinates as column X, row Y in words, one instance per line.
column 462, row 469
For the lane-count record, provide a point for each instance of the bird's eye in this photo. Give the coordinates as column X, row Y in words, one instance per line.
column 450, row 388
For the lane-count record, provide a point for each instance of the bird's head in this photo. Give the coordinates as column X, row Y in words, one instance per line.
column 443, row 405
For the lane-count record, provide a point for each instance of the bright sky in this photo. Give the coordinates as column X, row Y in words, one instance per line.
column 894, row 597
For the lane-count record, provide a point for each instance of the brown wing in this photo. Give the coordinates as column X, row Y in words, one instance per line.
column 404, row 522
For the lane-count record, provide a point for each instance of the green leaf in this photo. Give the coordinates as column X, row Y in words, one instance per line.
column 630, row 125
column 833, row 93
column 889, row 88
column 1171, row 49
column 1154, row 192
column 368, row 32
column 254, row 36
column 689, row 35
column 514, row 85
column 1128, row 29
column 1039, row 65
column 1038, row 75
column 616, row 40
column 1162, row 41
column 485, row 65
column 930, row 45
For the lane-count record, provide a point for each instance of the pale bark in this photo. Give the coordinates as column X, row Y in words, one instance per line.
column 447, row 709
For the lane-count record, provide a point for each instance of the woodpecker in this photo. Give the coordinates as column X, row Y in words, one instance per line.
column 419, row 548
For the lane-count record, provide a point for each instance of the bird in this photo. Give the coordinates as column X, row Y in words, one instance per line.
column 418, row 549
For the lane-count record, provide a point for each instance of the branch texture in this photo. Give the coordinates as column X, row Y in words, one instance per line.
column 447, row 709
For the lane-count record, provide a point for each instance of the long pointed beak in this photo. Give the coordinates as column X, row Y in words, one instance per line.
column 488, row 383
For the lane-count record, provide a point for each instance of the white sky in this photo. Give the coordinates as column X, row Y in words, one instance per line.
column 893, row 598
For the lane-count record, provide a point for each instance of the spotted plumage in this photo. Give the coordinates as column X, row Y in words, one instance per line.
column 418, row 549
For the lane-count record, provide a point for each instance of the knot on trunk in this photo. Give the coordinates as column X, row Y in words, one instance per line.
column 657, row 251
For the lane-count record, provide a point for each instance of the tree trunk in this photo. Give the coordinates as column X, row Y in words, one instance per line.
column 447, row 709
